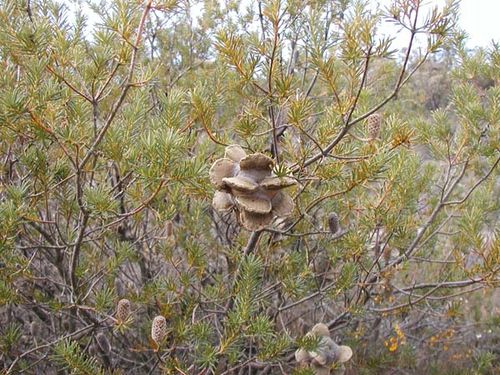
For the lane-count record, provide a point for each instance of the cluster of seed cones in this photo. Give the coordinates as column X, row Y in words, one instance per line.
column 247, row 184
column 325, row 355
column 158, row 327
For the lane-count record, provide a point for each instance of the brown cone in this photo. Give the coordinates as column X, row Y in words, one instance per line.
column 333, row 223
column 123, row 310
column 103, row 343
column 373, row 124
column 248, row 184
column 169, row 228
column 159, row 329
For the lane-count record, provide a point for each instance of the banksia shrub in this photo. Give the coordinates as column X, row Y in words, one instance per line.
column 159, row 329
column 109, row 129
column 246, row 183
column 333, row 223
column 373, row 124
column 123, row 310
column 325, row 355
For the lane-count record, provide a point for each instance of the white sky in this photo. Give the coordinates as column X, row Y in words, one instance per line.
column 479, row 18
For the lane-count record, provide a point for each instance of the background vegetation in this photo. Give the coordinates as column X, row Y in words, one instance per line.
column 108, row 128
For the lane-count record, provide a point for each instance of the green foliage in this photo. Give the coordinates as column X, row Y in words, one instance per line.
column 484, row 362
column 10, row 337
column 246, row 288
column 69, row 355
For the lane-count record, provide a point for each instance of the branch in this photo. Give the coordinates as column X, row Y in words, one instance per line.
column 76, row 333
column 400, row 83
column 447, row 284
column 128, row 83
column 124, row 91
column 73, row 88
column 435, row 287
column 347, row 125
column 484, row 178
column 252, row 242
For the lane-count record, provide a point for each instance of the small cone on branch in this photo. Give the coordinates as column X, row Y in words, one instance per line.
column 159, row 329
column 169, row 228
column 333, row 223
column 373, row 124
column 104, row 347
column 103, row 343
column 34, row 329
column 123, row 310
column 169, row 233
column 119, row 287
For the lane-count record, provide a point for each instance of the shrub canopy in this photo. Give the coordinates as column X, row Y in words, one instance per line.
column 377, row 215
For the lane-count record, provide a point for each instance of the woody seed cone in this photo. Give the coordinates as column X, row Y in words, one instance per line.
column 247, row 184
column 169, row 228
column 333, row 223
column 159, row 329
column 123, row 310
column 373, row 124
column 327, row 353
column 103, row 343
